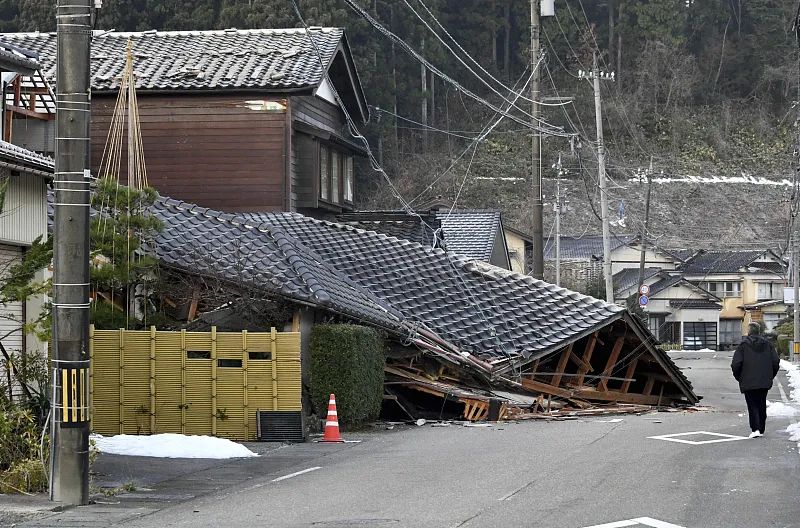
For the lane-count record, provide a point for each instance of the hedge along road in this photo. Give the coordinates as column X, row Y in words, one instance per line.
column 577, row 474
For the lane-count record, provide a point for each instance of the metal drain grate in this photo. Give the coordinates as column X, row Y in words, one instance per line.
column 280, row 426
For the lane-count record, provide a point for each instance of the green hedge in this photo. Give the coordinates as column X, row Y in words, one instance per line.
column 347, row 360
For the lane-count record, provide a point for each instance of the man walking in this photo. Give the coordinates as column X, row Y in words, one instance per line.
column 755, row 364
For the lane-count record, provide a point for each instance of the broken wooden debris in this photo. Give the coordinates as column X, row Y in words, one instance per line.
column 606, row 371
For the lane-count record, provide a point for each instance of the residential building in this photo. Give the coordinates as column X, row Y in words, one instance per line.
column 749, row 283
column 677, row 311
column 520, row 249
column 238, row 120
column 24, row 178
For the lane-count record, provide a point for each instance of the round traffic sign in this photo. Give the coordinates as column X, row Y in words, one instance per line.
column 644, row 289
column 643, row 300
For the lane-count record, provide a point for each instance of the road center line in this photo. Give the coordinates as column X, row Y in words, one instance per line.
column 296, row 473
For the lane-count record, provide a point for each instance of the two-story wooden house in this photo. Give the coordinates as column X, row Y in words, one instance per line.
column 236, row 120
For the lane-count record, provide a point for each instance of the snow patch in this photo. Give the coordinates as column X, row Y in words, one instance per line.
column 794, row 432
column 169, row 445
column 780, row 409
column 743, row 179
column 793, row 375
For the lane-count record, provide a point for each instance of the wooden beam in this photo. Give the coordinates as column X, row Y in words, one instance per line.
column 193, row 306
column 30, row 113
column 562, row 365
column 648, row 386
column 587, row 357
column 629, row 374
column 592, row 394
column 544, row 388
column 579, row 361
column 612, row 360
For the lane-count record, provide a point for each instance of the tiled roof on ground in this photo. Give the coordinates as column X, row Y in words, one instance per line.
column 209, row 243
column 268, row 59
column 714, row 261
column 468, row 232
column 397, row 284
column 17, row 155
column 15, row 59
column 585, row 247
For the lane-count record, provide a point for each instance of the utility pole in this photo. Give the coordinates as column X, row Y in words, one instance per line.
column 794, row 235
column 69, row 471
column 596, row 75
column 537, row 270
column 557, row 210
column 645, row 225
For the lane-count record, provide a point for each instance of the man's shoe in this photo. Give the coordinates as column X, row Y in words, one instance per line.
column 754, row 434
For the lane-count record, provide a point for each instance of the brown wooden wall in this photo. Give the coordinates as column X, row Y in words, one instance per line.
column 215, row 151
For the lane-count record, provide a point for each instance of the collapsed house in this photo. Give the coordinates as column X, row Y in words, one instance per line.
column 465, row 335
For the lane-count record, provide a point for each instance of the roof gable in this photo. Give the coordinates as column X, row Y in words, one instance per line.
column 272, row 60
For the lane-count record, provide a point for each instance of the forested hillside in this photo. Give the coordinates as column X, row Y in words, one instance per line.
column 704, row 88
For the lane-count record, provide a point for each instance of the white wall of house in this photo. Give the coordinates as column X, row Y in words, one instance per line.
column 24, row 215
column 23, row 219
column 628, row 257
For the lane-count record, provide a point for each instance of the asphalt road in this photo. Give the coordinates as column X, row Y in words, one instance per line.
column 570, row 474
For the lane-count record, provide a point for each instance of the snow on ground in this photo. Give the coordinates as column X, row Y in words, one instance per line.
column 168, row 445
column 780, row 409
column 793, row 375
column 744, row 178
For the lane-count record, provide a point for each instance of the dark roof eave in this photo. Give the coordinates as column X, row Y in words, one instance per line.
column 291, row 90
column 658, row 354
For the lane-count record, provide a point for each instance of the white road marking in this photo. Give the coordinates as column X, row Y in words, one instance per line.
column 722, row 438
column 783, row 392
column 639, row 521
column 290, row 475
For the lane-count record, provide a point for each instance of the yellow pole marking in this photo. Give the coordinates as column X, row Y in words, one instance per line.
column 64, row 397
column 74, row 376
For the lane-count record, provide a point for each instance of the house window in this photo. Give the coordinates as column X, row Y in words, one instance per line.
column 336, row 169
column 771, row 320
column 770, row 290
column 725, row 289
column 324, row 183
column 730, row 331
column 656, row 323
column 348, row 179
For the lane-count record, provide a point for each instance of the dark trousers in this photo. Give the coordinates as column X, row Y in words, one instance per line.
column 757, row 408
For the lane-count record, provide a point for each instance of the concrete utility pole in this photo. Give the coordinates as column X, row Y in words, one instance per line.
column 69, row 482
column 537, row 269
column 596, row 75
column 645, row 225
column 794, row 235
column 557, row 210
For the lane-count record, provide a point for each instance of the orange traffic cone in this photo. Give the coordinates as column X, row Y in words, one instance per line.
column 332, row 434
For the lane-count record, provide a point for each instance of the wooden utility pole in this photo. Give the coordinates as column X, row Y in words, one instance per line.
column 69, row 482
column 645, row 225
column 537, row 269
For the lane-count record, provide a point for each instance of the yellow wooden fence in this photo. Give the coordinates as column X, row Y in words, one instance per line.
column 208, row 383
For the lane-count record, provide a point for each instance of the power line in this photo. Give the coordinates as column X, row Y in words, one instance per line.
column 548, row 129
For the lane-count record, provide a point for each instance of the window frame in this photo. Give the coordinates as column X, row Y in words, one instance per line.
column 324, row 169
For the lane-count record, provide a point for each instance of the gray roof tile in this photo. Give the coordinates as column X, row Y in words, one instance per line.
column 586, row 247
column 709, row 262
column 16, row 154
column 268, row 59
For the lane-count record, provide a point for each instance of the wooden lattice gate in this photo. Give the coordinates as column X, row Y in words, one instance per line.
column 210, row 383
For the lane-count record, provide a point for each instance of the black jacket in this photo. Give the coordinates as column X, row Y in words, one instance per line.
column 755, row 363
